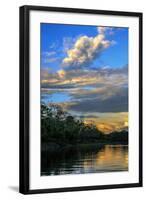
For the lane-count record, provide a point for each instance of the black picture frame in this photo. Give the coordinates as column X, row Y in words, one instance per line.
column 24, row 98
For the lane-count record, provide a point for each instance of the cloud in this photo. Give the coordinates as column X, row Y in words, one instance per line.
column 104, row 29
column 49, row 57
column 97, row 90
column 108, row 122
column 47, row 77
column 53, row 45
column 101, row 29
column 85, row 50
column 88, row 116
column 50, row 60
column 49, row 53
column 79, row 78
column 68, row 43
column 61, row 73
column 117, row 102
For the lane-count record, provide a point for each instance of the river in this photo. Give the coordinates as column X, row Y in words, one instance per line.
column 80, row 159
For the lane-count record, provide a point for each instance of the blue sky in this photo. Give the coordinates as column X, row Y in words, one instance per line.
column 53, row 35
column 85, row 70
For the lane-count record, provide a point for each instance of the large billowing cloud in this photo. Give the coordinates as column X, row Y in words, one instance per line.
column 86, row 49
column 97, row 95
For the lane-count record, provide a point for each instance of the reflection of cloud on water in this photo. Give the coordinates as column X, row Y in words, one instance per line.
column 112, row 157
column 86, row 159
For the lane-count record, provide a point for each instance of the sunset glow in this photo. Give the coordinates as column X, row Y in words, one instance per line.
column 84, row 69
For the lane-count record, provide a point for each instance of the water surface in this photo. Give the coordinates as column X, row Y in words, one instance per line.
column 80, row 159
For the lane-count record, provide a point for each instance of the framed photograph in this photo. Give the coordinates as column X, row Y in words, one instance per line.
column 80, row 99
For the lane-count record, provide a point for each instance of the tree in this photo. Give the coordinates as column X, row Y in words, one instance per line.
column 58, row 125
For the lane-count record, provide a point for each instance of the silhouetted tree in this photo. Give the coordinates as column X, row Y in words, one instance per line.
column 58, row 125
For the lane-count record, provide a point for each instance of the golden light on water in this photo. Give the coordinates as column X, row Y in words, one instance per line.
column 113, row 156
column 109, row 158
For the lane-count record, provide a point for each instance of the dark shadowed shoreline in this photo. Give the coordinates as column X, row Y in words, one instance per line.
column 69, row 146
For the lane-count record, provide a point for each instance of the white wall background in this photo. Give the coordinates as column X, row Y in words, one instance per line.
column 9, row 99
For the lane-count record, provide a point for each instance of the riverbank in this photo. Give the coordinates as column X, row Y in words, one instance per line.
column 52, row 146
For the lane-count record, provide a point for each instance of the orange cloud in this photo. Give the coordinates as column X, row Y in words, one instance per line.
column 109, row 122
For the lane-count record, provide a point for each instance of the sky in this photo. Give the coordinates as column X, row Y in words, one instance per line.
column 84, row 69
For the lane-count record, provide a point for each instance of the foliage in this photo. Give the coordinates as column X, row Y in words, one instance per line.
column 117, row 136
column 58, row 125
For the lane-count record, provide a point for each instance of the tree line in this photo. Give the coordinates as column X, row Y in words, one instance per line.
column 58, row 125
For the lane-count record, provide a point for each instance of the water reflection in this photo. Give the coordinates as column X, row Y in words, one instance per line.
column 85, row 159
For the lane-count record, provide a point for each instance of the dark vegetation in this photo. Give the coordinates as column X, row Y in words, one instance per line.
column 59, row 127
